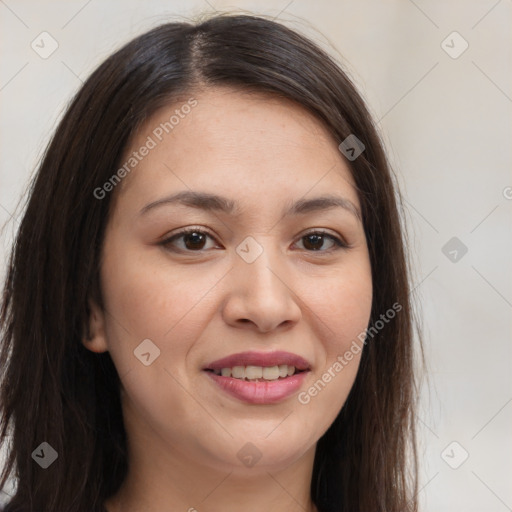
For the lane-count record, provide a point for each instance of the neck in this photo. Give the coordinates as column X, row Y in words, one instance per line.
column 162, row 476
column 171, row 485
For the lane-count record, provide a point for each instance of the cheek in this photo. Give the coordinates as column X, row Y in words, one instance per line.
column 342, row 305
column 343, row 313
column 147, row 299
column 341, row 310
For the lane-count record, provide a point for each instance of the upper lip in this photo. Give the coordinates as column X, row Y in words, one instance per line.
column 275, row 358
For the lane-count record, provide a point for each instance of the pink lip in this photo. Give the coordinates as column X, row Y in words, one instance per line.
column 259, row 359
column 260, row 392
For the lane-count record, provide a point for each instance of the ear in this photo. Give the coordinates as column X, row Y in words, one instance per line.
column 95, row 339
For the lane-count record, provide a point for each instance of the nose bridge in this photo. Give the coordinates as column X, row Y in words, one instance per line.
column 260, row 262
column 259, row 291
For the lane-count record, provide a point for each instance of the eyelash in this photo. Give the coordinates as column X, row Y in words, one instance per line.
column 338, row 242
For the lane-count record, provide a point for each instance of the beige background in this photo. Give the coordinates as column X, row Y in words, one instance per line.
column 447, row 124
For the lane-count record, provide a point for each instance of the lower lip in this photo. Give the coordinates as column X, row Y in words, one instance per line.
column 260, row 392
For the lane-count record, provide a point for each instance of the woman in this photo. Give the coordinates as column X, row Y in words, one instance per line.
column 207, row 306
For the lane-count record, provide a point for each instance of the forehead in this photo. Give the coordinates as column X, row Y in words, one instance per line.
column 236, row 142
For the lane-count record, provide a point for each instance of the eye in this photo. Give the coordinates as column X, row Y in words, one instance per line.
column 192, row 240
column 315, row 240
column 195, row 240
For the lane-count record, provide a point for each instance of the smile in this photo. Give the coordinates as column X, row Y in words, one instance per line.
column 259, row 377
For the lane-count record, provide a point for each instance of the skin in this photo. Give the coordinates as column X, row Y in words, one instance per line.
column 184, row 433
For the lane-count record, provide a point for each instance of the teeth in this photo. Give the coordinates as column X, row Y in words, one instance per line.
column 283, row 370
column 271, row 373
column 254, row 372
column 238, row 372
column 257, row 372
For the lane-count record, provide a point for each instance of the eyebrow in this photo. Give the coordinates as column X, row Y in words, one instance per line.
column 212, row 202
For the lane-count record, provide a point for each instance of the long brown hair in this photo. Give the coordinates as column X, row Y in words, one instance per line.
column 54, row 390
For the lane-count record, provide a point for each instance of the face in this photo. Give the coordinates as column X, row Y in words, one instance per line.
column 268, row 275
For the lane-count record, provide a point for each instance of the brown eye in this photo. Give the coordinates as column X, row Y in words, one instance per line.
column 189, row 240
column 315, row 242
column 194, row 240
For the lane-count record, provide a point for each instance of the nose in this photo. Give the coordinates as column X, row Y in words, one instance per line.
column 260, row 295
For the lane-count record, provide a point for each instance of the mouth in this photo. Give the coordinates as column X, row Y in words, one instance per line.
column 259, row 377
column 259, row 365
